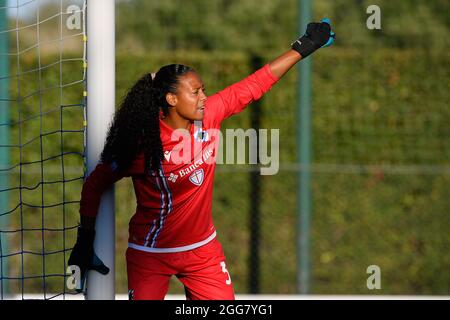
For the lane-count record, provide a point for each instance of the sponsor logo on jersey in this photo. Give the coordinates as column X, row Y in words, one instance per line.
column 173, row 177
column 167, row 155
column 201, row 135
column 197, row 177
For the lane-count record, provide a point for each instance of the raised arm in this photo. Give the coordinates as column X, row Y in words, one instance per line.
column 236, row 97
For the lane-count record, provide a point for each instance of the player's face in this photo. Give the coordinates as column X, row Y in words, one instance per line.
column 189, row 101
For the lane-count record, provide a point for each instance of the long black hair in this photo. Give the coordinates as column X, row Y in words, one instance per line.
column 135, row 127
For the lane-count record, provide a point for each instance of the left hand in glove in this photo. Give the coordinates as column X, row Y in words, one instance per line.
column 84, row 257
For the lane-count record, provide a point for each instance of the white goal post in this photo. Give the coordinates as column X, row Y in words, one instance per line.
column 100, row 110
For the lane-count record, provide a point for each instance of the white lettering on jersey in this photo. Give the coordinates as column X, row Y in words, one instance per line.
column 206, row 155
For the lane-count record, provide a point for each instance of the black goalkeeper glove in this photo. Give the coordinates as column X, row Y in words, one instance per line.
column 84, row 257
column 317, row 35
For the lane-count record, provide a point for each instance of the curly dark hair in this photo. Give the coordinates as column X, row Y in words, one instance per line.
column 135, row 127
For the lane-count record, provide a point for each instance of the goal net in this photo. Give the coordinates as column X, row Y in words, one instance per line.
column 42, row 142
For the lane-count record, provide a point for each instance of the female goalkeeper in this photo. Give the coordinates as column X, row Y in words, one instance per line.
column 172, row 230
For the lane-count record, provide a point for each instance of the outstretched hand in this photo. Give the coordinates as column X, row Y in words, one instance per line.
column 84, row 257
column 317, row 35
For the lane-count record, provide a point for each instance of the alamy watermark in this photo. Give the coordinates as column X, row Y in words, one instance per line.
column 374, row 20
column 74, row 19
column 374, row 280
column 74, row 279
column 241, row 146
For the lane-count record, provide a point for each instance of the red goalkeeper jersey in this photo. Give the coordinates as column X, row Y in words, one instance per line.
column 174, row 205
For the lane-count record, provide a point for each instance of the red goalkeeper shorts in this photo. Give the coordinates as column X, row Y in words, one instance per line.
column 202, row 271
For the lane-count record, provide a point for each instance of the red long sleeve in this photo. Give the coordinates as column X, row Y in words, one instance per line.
column 233, row 99
column 102, row 177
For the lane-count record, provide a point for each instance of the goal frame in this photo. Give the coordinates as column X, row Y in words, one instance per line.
column 100, row 23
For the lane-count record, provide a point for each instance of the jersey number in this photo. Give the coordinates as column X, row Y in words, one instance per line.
column 224, row 270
